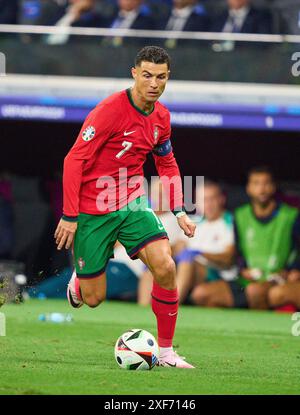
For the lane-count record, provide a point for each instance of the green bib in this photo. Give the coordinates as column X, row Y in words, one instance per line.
column 266, row 246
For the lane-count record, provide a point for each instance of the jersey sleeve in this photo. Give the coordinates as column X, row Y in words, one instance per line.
column 168, row 169
column 96, row 130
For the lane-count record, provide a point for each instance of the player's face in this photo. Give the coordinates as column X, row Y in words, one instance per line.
column 150, row 80
column 261, row 188
column 212, row 201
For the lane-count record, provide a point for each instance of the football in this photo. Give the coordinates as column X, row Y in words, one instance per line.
column 136, row 349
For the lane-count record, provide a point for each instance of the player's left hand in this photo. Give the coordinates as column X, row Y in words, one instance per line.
column 187, row 225
column 64, row 234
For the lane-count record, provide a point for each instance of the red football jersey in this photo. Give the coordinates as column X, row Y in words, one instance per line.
column 100, row 169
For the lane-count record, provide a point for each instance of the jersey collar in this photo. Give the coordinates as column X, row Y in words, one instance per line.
column 128, row 91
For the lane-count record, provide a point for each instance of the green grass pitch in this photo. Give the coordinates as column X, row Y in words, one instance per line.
column 235, row 352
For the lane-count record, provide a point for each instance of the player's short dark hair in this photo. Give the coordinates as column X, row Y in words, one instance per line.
column 154, row 54
column 261, row 170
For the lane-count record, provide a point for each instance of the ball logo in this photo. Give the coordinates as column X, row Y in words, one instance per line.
column 89, row 133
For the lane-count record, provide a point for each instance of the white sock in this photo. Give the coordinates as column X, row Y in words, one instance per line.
column 165, row 350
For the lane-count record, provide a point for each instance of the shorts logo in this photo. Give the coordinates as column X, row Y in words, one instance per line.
column 156, row 133
column 89, row 133
column 81, row 263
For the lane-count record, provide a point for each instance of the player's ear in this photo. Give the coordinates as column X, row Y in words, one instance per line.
column 168, row 75
column 133, row 73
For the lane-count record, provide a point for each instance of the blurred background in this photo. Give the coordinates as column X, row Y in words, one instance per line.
column 234, row 98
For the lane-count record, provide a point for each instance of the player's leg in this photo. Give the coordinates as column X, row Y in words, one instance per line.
column 89, row 291
column 157, row 256
column 288, row 293
column 93, row 291
column 93, row 247
column 144, row 237
column 144, row 288
column 257, row 295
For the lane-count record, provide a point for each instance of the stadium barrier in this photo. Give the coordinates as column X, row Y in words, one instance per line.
column 162, row 34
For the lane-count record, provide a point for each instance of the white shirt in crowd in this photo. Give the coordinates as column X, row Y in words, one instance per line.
column 125, row 19
column 236, row 19
column 214, row 237
column 179, row 18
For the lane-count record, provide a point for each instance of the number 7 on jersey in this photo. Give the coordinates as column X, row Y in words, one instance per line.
column 127, row 145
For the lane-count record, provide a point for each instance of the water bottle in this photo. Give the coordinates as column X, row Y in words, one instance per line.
column 56, row 317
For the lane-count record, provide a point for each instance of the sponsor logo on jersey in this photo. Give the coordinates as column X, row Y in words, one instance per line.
column 81, row 263
column 155, row 134
column 89, row 133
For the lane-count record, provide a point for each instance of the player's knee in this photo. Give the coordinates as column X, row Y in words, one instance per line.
column 200, row 295
column 165, row 272
column 93, row 300
column 276, row 296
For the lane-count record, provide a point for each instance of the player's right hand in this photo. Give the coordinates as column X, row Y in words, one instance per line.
column 64, row 234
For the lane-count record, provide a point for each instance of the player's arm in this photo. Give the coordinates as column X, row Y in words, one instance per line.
column 94, row 132
column 168, row 171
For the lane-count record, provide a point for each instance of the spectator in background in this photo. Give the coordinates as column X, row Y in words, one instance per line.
column 8, row 11
column 178, row 240
column 130, row 14
column 207, row 263
column 287, row 292
column 185, row 15
column 242, row 17
column 77, row 13
column 267, row 234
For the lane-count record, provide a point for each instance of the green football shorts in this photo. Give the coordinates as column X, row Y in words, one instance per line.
column 134, row 226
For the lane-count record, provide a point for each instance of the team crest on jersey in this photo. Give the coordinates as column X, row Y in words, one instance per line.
column 81, row 263
column 156, row 133
column 89, row 133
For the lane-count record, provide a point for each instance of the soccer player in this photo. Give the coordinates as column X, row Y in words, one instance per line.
column 104, row 200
